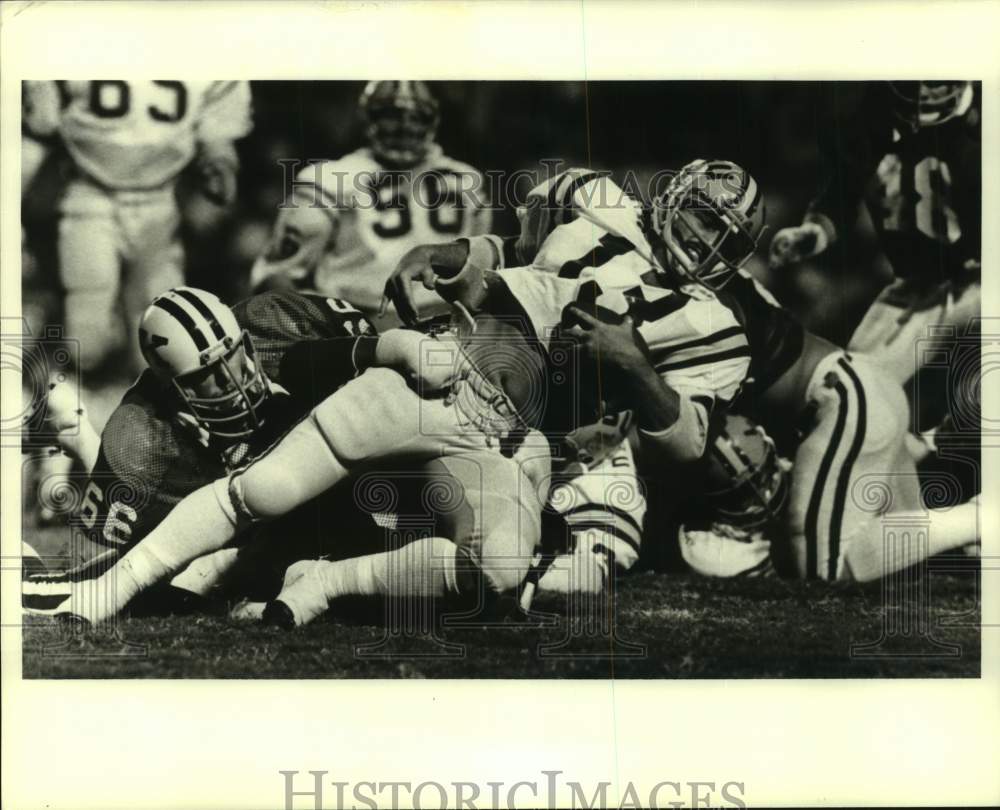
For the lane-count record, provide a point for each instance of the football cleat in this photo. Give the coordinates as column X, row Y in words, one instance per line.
column 48, row 595
column 302, row 597
column 247, row 611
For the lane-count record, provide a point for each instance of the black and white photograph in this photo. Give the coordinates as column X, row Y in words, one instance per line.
column 411, row 375
column 427, row 376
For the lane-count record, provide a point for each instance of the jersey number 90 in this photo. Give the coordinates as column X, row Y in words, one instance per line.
column 445, row 208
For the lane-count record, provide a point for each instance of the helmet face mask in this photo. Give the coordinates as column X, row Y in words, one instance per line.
column 193, row 342
column 710, row 220
column 401, row 120
column 930, row 103
column 226, row 393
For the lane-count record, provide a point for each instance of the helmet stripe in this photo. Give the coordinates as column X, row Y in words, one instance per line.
column 203, row 310
column 185, row 320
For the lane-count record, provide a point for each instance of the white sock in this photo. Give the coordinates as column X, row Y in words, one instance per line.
column 422, row 568
column 204, row 573
column 946, row 529
column 201, row 523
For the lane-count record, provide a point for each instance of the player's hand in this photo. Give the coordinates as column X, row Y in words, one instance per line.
column 791, row 245
column 614, row 345
column 217, row 181
column 433, row 363
column 415, row 267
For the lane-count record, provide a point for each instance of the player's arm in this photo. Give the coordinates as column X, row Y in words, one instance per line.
column 672, row 424
column 478, row 203
column 41, row 109
column 306, row 227
column 225, row 118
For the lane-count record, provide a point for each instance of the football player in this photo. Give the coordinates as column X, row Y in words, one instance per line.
column 222, row 385
column 668, row 350
column 912, row 151
column 747, row 523
column 451, row 418
column 129, row 141
column 845, row 421
column 345, row 223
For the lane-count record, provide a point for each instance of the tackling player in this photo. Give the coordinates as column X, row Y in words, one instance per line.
column 472, row 439
column 850, row 423
column 222, row 385
column 345, row 223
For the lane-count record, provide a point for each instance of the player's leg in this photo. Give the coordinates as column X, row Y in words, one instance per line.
column 154, row 256
column 603, row 510
column 296, row 469
column 487, row 525
column 823, row 472
column 885, row 472
column 898, row 329
column 90, row 269
column 851, row 471
column 372, row 418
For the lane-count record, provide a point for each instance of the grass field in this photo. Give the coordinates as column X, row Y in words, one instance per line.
column 689, row 628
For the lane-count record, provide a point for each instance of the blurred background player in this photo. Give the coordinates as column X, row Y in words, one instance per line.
column 912, row 151
column 345, row 223
column 118, row 242
column 128, row 142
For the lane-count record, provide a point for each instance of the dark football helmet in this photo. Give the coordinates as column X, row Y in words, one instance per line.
column 401, row 120
column 746, row 482
column 927, row 104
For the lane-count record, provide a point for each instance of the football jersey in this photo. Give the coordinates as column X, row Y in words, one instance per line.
column 150, row 458
column 695, row 343
column 922, row 189
column 774, row 335
column 376, row 215
column 135, row 135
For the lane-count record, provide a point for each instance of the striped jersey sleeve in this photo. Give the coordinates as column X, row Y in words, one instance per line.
column 697, row 347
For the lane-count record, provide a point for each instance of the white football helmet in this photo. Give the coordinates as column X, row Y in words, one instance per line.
column 192, row 340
